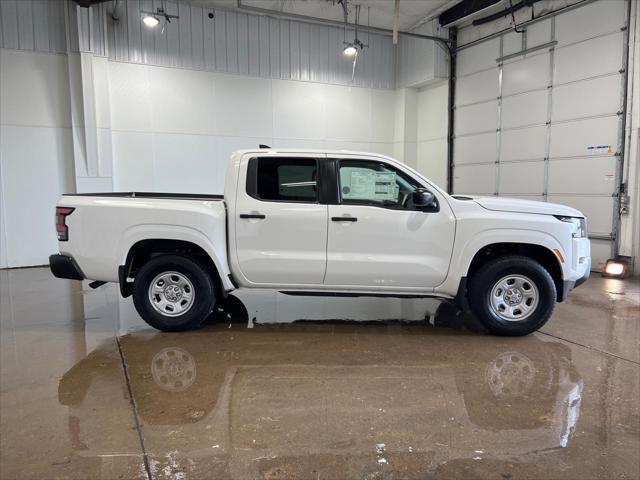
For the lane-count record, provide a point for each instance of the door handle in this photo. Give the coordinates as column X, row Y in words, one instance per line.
column 344, row 219
column 252, row 215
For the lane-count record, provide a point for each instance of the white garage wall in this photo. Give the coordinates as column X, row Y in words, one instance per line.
column 174, row 129
column 36, row 154
column 432, row 132
column 89, row 104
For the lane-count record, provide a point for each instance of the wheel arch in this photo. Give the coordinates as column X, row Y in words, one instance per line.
column 145, row 249
column 540, row 253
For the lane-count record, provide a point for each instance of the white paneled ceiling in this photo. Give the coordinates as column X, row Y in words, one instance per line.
column 412, row 12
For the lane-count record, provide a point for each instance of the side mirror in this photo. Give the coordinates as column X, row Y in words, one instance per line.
column 423, row 198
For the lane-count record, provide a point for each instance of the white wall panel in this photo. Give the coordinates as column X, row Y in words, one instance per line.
column 432, row 161
column 132, row 161
column 479, row 57
column 578, row 61
column 524, row 109
column 383, row 116
column 591, row 20
column 130, row 97
column 598, row 96
column 589, row 175
column 475, row 148
column 526, row 74
column 480, row 117
column 298, row 110
column 521, row 178
column 182, row 100
column 186, row 163
column 242, row 106
column 477, row 87
column 36, row 170
column 475, row 179
column 523, row 143
column 347, row 113
column 433, row 112
column 34, row 89
column 573, row 139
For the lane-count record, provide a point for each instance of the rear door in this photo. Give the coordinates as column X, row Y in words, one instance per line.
column 281, row 226
column 378, row 238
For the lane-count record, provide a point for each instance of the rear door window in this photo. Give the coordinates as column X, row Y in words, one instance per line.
column 283, row 179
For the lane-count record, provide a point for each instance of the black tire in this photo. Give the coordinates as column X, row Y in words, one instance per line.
column 483, row 281
column 204, row 294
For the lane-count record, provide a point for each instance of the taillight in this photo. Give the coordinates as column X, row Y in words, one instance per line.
column 61, row 222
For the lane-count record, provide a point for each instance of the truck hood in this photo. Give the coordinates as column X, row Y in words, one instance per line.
column 517, row 205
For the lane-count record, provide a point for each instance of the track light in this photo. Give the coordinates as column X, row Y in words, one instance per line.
column 150, row 20
column 350, row 50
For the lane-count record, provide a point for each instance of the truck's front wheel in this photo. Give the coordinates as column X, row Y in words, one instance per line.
column 512, row 295
column 173, row 293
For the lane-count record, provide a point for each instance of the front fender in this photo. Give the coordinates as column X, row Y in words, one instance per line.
column 465, row 252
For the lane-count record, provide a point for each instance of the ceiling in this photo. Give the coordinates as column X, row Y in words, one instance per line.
column 381, row 12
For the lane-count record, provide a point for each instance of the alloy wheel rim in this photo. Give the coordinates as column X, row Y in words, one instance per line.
column 514, row 298
column 171, row 294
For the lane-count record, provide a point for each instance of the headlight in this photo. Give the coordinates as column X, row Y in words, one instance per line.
column 579, row 225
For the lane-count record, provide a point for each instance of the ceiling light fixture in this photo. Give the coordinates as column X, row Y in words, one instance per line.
column 350, row 50
column 152, row 19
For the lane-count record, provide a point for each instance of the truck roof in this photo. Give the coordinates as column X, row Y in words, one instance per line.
column 275, row 151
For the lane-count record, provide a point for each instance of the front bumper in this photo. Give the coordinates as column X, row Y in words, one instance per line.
column 568, row 285
column 64, row 266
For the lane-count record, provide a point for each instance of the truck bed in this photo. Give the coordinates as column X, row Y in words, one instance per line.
column 176, row 196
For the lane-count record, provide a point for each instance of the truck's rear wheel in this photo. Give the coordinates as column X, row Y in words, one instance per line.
column 512, row 295
column 173, row 293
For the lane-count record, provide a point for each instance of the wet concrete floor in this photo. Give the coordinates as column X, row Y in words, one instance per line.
column 88, row 391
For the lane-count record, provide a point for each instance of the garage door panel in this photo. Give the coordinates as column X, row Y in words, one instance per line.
column 475, row 179
column 524, row 109
column 598, row 96
column 480, row 117
column 573, row 139
column 601, row 17
column 521, row 178
column 525, row 74
column 539, row 33
column 477, row 87
column 588, row 59
column 511, row 43
column 479, row 57
column 523, row 144
column 582, row 175
column 599, row 210
column 475, row 148
column 600, row 252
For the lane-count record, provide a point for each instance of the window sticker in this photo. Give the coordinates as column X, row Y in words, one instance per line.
column 365, row 184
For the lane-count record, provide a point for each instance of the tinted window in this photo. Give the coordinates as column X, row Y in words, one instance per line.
column 287, row 179
column 375, row 183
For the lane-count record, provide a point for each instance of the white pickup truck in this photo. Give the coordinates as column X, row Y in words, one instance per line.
column 325, row 223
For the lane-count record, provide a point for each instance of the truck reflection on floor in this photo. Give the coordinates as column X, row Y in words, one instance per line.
column 339, row 400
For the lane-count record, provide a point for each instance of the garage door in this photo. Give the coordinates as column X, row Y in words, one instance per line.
column 539, row 115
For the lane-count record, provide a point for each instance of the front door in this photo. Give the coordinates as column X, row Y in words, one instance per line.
column 281, row 226
column 378, row 238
